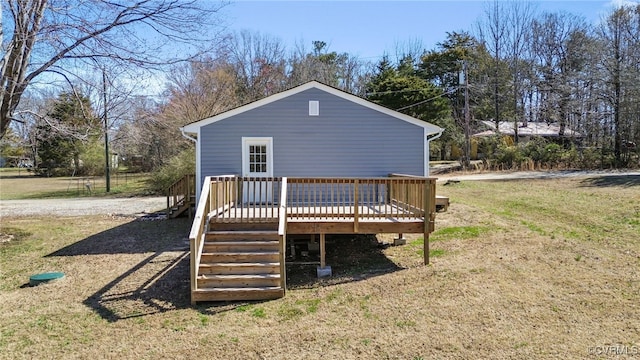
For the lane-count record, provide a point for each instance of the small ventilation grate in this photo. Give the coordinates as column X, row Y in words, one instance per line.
column 314, row 108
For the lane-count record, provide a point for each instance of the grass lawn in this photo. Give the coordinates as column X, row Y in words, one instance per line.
column 519, row 269
column 22, row 184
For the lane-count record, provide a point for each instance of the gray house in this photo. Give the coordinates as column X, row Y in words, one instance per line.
column 311, row 130
column 286, row 170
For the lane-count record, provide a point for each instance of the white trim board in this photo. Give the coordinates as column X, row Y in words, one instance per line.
column 258, row 140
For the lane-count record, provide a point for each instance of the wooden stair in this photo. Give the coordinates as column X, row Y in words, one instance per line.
column 181, row 196
column 239, row 265
column 182, row 207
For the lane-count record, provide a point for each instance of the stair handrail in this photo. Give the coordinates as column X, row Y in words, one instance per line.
column 197, row 233
column 282, row 233
column 182, row 188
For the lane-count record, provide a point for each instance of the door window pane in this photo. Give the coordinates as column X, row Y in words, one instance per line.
column 258, row 158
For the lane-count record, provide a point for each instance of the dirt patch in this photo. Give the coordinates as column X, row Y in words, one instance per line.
column 351, row 257
column 5, row 238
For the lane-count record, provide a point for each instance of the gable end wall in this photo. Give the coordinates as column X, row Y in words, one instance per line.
column 345, row 140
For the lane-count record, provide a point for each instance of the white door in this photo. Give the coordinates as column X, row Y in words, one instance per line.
column 257, row 162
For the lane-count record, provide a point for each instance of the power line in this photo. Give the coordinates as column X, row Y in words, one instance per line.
column 425, row 101
column 391, row 92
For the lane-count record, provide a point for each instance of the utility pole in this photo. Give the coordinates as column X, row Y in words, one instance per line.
column 467, row 130
column 106, row 130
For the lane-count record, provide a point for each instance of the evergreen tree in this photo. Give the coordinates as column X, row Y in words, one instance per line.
column 61, row 138
column 402, row 89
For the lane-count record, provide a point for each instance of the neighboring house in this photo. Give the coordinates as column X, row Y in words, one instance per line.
column 312, row 130
column 527, row 130
column 309, row 161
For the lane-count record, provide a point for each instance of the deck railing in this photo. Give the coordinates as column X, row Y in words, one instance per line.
column 198, row 230
column 223, row 195
column 282, row 233
column 181, row 192
column 245, row 199
column 417, row 195
column 376, row 198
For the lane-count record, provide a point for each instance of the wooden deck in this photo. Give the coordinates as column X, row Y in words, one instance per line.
column 239, row 234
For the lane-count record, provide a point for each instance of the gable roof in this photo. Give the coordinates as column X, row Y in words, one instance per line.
column 429, row 128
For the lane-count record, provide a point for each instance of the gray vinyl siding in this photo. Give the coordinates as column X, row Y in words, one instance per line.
column 345, row 140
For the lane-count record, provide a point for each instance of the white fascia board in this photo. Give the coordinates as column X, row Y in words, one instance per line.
column 426, row 153
column 429, row 128
column 198, row 168
column 427, row 149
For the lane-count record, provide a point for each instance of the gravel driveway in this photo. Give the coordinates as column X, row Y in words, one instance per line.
column 515, row 175
column 83, row 206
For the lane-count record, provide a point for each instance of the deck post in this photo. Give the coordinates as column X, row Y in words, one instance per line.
column 193, row 271
column 356, row 210
column 323, row 258
column 426, row 248
column 323, row 270
column 427, row 218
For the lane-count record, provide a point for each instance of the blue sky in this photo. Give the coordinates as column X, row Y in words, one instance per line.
column 369, row 29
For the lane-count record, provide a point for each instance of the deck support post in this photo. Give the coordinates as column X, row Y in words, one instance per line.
column 323, row 270
column 323, row 258
column 313, row 245
column 427, row 218
column 426, row 248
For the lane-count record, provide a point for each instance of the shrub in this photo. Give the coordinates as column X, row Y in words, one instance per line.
column 93, row 162
column 177, row 167
column 570, row 157
column 534, row 149
column 509, row 156
column 552, row 154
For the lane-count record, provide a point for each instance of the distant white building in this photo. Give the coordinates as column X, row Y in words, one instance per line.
column 541, row 129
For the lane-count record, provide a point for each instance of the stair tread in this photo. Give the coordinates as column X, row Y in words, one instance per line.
column 239, row 276
column 243, row 242
column 248, row 232
column 240, row 253
column 240, row 264
column 238, row 289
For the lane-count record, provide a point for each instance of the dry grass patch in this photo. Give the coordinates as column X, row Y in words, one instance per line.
column 526, row 269
column 22, row 184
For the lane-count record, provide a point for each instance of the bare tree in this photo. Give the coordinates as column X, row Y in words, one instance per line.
column 413, row 48
column 198, row 90
column 493, row 32
column 57, row 36
column 335, row 69
column 195, row 90
column 560, row 44
column 258, row 62
column 520, row 15
column 620, row 34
